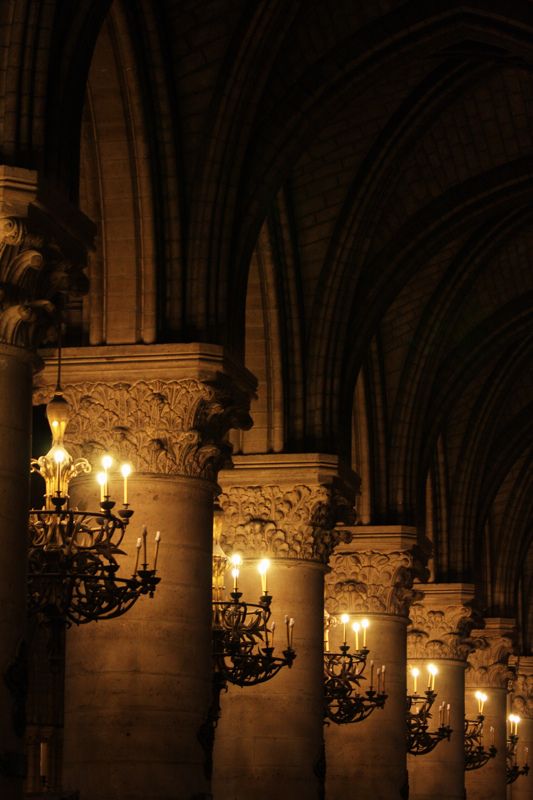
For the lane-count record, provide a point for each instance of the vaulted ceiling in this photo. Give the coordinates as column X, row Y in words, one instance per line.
column 340, row 192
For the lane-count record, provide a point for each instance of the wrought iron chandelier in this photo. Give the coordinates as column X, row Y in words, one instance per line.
column 243, row 636
column 345, row 701
column 475, row 754
column 513, row 771
column 73, row 568
column 420, row 740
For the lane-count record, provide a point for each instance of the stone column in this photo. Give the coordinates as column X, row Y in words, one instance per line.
column 373, row 577
column 522, row 704
column 138, row 687
column 439, row 634
column 34, row 271
column 269, row 740
column 488, row 671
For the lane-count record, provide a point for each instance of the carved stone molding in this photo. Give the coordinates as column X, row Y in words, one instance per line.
column 487, row 665
column 442, row 633
column 284, row 522
column 523, row 696
column 372, row 582
column 165, row 427
column 523, row 688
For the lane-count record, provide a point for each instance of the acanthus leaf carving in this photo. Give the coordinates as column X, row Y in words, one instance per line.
column 292, row 523
column 440, row 633
column 523, row 694
column 487, row 665
column 166, row 427
column 372, row 582
column 34, row 277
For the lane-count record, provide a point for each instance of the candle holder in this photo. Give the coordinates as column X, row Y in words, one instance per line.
column 475, row 754
column 513, row 771
column 343, row 674
column 420, row 740
column 243, row 650
column 73, row 571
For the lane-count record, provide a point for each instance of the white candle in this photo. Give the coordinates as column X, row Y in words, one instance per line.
column 157, row 540
column 355, row 628
column 107, row 462
column 138, row 548
column 262, row 568
column 364, row 624
column 344, row 619
column 126, row 472
column 415, row 672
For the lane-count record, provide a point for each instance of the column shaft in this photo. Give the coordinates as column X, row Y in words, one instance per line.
column 15, row 437
column 439, row 775
column 138, row 687
column 488, row 783
column 269, row 739
column 367, row 759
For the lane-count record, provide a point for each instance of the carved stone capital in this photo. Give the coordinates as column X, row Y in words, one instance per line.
column 440, row 633
column 165, row 427
column 36, row 268
column 283, row 522
column 488, row 665
column 372, row 581
column 523, row 688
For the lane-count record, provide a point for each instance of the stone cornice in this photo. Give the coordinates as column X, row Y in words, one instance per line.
column 130, row 363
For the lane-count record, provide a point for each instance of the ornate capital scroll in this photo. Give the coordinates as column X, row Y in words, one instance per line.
column 297, row 522
column 372, row 582
column 43, row 250
column 523, row 688
column 487, row 665
column 442, row 633
column 166, row 427
column 35, row 275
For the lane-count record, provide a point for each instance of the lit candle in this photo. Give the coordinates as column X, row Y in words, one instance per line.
column 364, row 624
column 432, row 670
column 481, row 700
column 101, row 479
column 138, row 548
column 383, row 678
column 59, row 457
column 415, row 672
column 157, row 540
column 43, row 759
column 345, row 620
column 355, row 628
column 262, row 568
column 448, row 709
column 441, row 714
column 291, row 628
column 107, row 462
column 125, row 472
column 236, row 561
column 514, row 719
